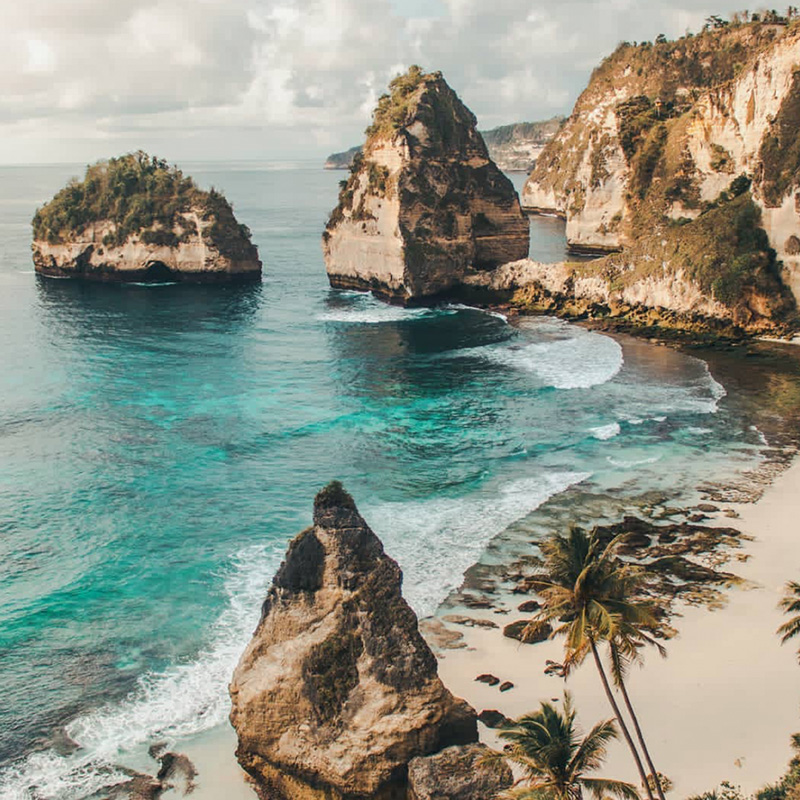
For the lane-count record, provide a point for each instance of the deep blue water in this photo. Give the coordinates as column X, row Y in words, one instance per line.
column 160, row 445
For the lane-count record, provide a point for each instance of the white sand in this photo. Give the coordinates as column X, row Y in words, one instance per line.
column 219, row 776
column 721, row 706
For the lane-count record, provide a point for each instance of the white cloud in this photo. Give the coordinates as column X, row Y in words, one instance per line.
column 305, row 73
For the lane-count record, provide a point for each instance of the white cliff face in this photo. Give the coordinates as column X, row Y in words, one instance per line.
column 194, row 257
column 719, row 134
column 367, row 246
column 673, row 291
column 736, row 118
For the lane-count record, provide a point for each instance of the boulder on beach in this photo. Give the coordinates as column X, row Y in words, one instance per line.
column 337, row 690
column 458, row 773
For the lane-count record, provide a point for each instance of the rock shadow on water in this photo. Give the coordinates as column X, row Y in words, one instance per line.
column 80, row 309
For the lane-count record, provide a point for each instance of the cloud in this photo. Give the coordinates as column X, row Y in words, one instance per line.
column 106, row 77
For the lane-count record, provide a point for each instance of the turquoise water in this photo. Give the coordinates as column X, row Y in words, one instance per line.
column 160, row 445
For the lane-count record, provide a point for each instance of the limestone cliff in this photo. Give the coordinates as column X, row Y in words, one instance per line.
column 135, row 218
column 684, row 156
column 338, row 691
column 424, row 202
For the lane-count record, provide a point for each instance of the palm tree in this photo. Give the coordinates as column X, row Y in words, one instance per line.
column 556, row 760
column 790, row 604
column 595, row 597
column 623, row 651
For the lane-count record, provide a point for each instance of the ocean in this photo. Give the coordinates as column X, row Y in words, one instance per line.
column 160, row 445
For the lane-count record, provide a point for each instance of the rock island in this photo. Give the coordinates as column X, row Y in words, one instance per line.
column 135, row 218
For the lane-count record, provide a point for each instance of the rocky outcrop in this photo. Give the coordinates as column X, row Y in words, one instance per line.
column 516, row 147
column 458, row 773
column 424, row 202
column 684, row 155
column 343, row 160
column 338, row 691
column 135, row 218
column 627, row 297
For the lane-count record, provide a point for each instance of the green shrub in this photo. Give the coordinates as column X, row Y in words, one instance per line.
column 135, row 193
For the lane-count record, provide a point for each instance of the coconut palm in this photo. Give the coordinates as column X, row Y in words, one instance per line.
column 596, row 598
column 624, row 650
column 790, row 604
column 556, row 760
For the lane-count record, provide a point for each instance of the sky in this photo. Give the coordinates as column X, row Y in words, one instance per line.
column 204, row 80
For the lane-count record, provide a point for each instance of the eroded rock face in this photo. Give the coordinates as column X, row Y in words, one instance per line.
column 458, row 773
column 135, row 218
column 424, row 202
column 338, row 691
column 649, row 159
column 195, row 259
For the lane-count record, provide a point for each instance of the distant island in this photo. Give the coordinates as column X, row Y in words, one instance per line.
column 514, row 148
column 136, row 218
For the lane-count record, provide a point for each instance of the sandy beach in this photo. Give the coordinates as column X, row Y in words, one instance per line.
column 721, row 706
column 724, row 702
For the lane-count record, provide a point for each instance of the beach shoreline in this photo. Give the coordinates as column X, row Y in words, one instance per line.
column 724, row 703
column 720, row 707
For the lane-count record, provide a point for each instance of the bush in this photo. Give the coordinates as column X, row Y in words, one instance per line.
column 139, row 193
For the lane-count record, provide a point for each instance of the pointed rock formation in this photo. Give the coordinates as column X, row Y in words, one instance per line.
column 424, row 203
column 338, row 691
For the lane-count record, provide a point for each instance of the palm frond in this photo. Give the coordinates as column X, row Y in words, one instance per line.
column 602, row 787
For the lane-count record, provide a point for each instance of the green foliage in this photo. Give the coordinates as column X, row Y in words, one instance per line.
column 647, row 159
column 377, row 178
column 721, row 160
column 137, row 192
column 556, row 760
column 392, row 110
column 725, row 791
column 635, row 117
column 334, row 495
column 331, row 671
column 780, row 148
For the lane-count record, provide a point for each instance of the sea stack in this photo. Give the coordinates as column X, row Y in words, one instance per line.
column 135, row 218
column 337, row 691
column 424, row 204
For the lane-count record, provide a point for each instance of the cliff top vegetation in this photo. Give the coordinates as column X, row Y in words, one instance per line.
column 393, row 109
column 140, row 193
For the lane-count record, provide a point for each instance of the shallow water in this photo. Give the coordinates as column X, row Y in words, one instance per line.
column 160, row 445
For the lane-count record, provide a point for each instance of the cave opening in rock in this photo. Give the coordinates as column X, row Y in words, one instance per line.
column 157, row 271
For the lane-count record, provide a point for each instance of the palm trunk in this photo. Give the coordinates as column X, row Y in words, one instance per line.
column 620, row 720
column 639, row 736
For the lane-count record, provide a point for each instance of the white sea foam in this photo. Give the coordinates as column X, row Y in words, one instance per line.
column 181, row 701
column 374, row 315
column 624, row 463
column 578, row 359
column 487, row 311
column 437, row 541
column 604, row 432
